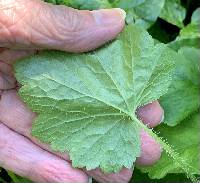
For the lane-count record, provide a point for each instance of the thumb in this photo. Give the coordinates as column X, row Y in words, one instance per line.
column 38, row 25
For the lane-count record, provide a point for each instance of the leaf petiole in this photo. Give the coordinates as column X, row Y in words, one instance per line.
column 168, row 149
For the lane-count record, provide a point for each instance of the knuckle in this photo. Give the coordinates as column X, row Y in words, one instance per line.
column 11, row 11
column 57, row 171
column 14, row 16
column 7, row 82
column 68, row 23
column 73, row 19
column 52, row 172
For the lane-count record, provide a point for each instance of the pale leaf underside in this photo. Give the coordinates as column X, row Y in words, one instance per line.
column 86, row 103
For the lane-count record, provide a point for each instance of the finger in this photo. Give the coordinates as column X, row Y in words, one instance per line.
column 6, row 68
column 7, row 57
column 21, row 156
column 151, row 114
column 6, row 82
column 150, row 150
column 56, row 27
column 10, row 56
column 17, row 116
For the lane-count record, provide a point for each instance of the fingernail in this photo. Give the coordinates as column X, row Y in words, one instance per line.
column 163, row 116
column 121, row 12
column 90, row 180
column 107, row 17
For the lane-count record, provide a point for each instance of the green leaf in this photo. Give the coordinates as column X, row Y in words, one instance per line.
column 140, row 177
column 2, row 181
column 127, row 4
column 86, row 103
column 192, row 30
column 145, row 14
column 182, row 98
column 17, row 179
column 196, row 16
column 185, row 138
column 51, row 1
column 83, row 4
column 90, row 4
column 189, row 35
column 173, row 12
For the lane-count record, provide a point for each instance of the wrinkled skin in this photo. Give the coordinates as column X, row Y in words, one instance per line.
column 27, row 26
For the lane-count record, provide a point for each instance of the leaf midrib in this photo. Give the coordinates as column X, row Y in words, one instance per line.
column 83, row 118
column 127, row 113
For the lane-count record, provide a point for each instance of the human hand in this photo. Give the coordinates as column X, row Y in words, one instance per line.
column 53, row 27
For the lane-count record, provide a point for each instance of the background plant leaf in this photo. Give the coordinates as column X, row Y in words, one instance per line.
column 127, row 4
column 173, row 12
column 182, row 98
column 139, row 177
column 145, row 14
column 185, row 139
column 190, row 34
column 83, row 4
